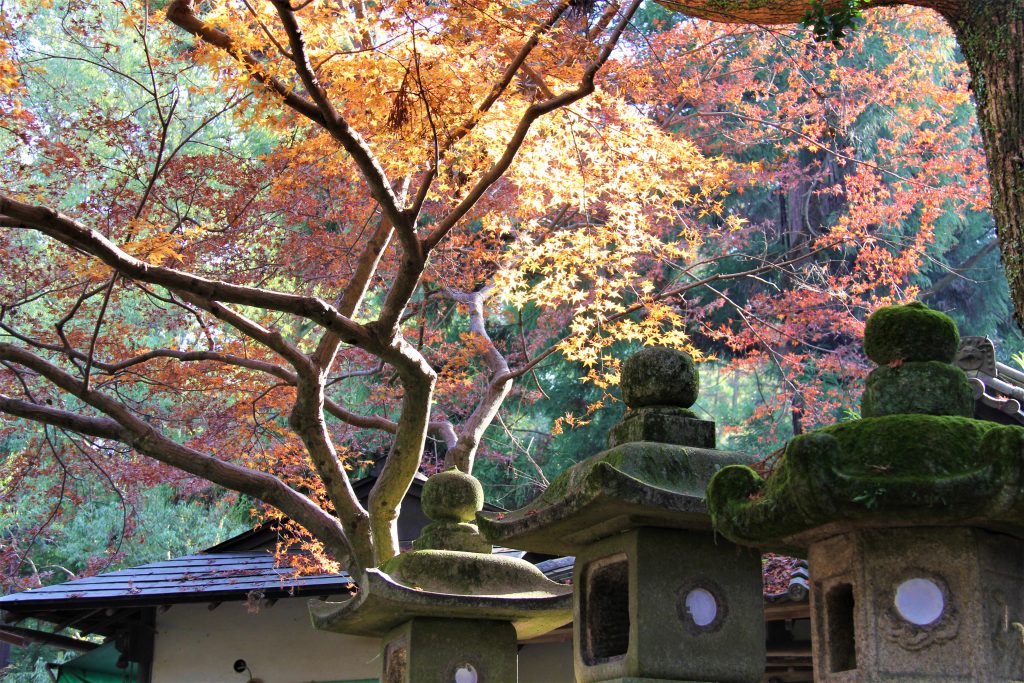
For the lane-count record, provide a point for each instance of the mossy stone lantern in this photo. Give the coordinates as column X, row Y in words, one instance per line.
column 912, row 517
column 449, row 611
column 658, row 597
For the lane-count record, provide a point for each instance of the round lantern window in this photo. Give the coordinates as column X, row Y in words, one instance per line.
column 466, row 674
column 701, row 606
column 920, row 601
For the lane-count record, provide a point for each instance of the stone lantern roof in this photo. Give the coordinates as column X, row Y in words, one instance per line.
column 654, row 474
column 917, row 456
column 450, row 574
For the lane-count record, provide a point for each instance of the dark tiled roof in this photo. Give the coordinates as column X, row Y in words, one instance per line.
column 998, row 388
column 201, row 577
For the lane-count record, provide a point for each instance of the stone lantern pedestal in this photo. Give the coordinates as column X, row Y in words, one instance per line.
column 658, row 597
column 447, row 611
column 912, row 518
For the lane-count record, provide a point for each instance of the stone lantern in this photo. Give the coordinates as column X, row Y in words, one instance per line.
column 912, row 517
column 658, row 596
column 449, row 611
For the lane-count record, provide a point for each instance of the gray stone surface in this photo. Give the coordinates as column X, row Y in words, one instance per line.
column 427, row 650
column 861, row 635
column 663, row 425
column 633, row 622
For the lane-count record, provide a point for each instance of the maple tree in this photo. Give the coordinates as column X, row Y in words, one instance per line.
column 989, row 33
column 212, row 241
column 872, row 149
column 316, row 234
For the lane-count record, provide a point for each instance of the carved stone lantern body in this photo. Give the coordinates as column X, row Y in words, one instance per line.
column 911, row 516
column 927, row 603
column 658, row 598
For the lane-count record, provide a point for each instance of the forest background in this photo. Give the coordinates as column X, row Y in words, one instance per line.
column 790, row 187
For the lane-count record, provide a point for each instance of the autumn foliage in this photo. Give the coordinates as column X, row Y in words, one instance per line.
column 293, row 239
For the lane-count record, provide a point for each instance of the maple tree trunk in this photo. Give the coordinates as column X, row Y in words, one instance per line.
column 991, row 36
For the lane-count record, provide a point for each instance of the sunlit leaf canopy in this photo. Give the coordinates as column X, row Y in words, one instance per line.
column 736, row 192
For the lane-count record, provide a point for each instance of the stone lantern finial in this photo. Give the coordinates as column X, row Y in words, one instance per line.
column 451, row 500
column 914, row 348
column 659, row 385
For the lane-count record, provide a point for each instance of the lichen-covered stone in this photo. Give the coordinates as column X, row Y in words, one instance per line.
column 663, row 425
column 932, row 388
column 461, row 536
column 458, row 573
column 452, row 496
column 911, row 332
column 433, row 650
column 659, row 376
column 652, row 571
column 608, row 493
column 879, row 471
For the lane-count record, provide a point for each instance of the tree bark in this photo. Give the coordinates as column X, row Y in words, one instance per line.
column 991, row 37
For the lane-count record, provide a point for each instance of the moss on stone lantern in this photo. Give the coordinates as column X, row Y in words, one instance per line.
column 911, row 517
column 658, row 598
column 450, row 611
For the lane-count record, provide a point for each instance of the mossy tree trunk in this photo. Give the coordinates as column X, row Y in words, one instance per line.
column 991, row 36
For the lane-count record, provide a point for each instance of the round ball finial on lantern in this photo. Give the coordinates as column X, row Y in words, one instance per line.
column 659, row 385
column 660, row 376
column 451, row 500
column 452, row 496
column 911, row 332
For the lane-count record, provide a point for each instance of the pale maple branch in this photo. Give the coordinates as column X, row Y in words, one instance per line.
column 371, row 170
column 495, row 93
column 119, row 424
column 533, row 112
column 351, row 297
column 68, row 231
column 308, row 423
column 107, row 292
column 499, row 384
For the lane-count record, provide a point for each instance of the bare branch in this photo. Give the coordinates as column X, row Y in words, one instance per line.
column 68, row 231
column 144, row 438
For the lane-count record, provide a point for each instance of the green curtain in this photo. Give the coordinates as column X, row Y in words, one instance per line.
column 70, row 675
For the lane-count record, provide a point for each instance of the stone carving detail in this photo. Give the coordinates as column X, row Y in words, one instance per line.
column 916, row 637
column 977, row 354
column 1009, row 634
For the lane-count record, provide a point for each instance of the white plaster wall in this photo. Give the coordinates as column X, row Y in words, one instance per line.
column 196, row 645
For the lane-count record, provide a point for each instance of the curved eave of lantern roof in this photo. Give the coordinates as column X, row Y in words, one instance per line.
column 891, row 471
column 916, row 458
column 383, row 604
column 631, row 485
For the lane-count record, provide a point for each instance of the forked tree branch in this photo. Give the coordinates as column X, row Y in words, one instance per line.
column 123, row 426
